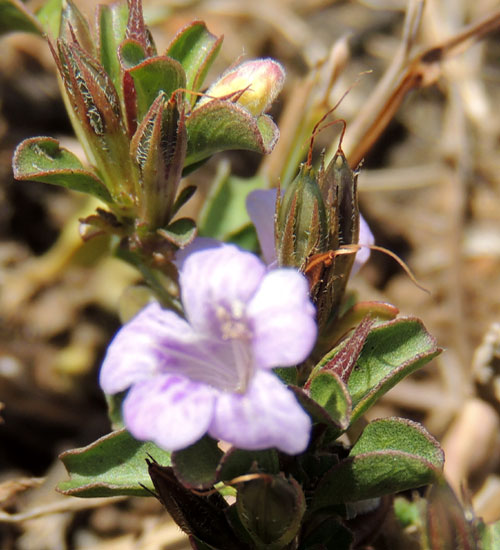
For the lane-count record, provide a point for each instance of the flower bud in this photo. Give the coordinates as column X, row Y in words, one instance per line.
column 329, row 272
column 301, row 225
column 316, row 218
column 258, row 82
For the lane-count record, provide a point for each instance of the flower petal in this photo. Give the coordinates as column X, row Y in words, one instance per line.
column 224, row 277
column 283, row 319
column 261, row 205
column 365, row 237
column 170, row 410
column 199, row 243
column 267, row 415
column 140, row 348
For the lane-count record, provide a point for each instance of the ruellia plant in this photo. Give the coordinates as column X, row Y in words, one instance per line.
column 237, row 394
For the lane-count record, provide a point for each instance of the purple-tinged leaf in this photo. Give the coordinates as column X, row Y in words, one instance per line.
column 392, row 351
column 153, row 76
column 111, row 23
column 131, row 53
column 159, row 148
column 111, row 466
column 136, row 28
column 342, row 361
column 195, row 48
column 74, row 26
column 318, row 413
column 41, row 159
column 198, row 516
column 391, row 455
column 97, row 118
column 329, row 391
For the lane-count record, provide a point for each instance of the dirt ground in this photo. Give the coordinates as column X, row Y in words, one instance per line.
column 429, row 188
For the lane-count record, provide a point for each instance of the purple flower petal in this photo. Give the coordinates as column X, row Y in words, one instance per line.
column 267, row 415
column 170, row 410
column 137, row 351
column 365, row 237
column 261, row 205
column 283, row 319
column 216, row 283
column 199, row 243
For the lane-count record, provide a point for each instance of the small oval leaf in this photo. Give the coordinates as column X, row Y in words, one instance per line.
column 42, row 159
column 195, row 48
column 153, row 76
column 195, row 466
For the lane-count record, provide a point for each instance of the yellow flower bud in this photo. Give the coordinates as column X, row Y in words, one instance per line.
column 259, row 81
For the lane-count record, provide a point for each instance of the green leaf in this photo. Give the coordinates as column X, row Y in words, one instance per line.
column 97, row 118
column 330, row 534
column 391, row 455
column 131, row 53
column 317, row 413
column 288, row 375
column 271, row 510
column 331, row 393
column 195, row 467
column 224, row 211
column 112, row 22
column 155, row 75
column 238, row 462
column 75, row 27
column 489, row 536
column 180, row 232
column 195, row 48
column 113, row 465
column 114, row 403
column 49, row 16
column 158, row 148
column 342, row 359
column 408, row 513
column 399, row 434
column 14, row 16
column 220, row 125
column 41, row 159
column 391, row 352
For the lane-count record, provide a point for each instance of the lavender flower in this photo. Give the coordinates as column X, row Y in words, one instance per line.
column 211, row 372
column 261, row 205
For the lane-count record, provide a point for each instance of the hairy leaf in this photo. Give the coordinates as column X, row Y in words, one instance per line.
column 113, row 465
column 42, row 159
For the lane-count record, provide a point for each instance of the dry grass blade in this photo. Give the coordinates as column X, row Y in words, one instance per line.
column 423, row 70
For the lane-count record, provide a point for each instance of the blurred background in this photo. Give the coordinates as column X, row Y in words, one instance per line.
column 423, row 114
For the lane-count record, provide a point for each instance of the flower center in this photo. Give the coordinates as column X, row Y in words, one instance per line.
column 232, row 323
column 235, row 331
